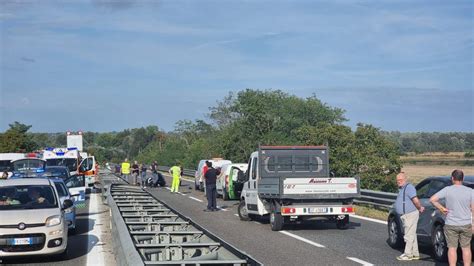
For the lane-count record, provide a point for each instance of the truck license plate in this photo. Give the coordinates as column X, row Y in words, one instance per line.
column 318, row 210
column 22, row 241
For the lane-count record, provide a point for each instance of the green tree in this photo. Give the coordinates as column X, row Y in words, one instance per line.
column 15, row 139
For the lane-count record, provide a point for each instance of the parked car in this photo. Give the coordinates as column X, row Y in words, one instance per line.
column 64, row 194
column 32, row 220
column 227, row 182
column 199, row 176
column 431, row 221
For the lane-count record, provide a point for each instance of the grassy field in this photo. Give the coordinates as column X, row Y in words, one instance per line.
column 420, row 166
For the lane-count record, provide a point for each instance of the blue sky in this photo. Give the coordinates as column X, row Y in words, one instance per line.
column 108, row 65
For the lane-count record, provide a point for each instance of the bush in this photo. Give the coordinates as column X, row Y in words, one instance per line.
column 469, row 154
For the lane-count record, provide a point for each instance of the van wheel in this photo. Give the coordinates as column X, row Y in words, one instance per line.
column 395, row 238
column 242, row 210
column 225, row 194
column 343, row 223
column 440, row 248
column 276, row 220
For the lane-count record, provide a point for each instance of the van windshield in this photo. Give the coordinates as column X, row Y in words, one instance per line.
column 28, row 164
column 27, row 197
column 70, row 163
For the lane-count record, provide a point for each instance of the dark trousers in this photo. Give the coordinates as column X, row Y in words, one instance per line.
column 211, row 194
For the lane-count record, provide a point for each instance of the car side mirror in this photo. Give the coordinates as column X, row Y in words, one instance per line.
column 67, row 204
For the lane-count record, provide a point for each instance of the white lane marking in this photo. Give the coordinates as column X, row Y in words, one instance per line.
column 363, row 262
column 181, row 193
column 255, row 222
column 302, row 239
column 220, row 208
column 196, row 199
column 368, row 219
column 95, row 255
column 168, row 188
column 236, row 214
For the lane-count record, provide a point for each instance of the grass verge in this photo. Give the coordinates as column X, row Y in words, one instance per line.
column 371, row 212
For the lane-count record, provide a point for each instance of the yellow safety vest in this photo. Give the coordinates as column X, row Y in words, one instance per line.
column 126, row 168
column 176, row 170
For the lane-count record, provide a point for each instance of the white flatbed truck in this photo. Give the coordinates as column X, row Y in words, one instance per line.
column 291, row 183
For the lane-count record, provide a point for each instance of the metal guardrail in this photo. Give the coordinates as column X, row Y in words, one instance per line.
column 160, row 235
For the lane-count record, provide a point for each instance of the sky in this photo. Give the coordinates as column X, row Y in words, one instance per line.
column 103, row 66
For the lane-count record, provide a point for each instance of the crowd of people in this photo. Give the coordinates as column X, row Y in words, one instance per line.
column 136, row 174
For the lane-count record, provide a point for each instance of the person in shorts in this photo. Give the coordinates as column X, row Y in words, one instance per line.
column 459, row 214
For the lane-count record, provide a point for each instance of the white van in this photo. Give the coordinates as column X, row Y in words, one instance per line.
column 32, row 218
column 199, row 176
column 226, row 183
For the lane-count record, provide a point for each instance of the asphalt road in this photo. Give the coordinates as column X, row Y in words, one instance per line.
column 312, row 243
column 82, row 243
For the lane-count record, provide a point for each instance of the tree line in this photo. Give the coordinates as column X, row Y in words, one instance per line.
column 422, row 142
column 235, row 127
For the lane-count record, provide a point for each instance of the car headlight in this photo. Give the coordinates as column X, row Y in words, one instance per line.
column 53, row 220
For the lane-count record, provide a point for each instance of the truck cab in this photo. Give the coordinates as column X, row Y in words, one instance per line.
column 291, row 183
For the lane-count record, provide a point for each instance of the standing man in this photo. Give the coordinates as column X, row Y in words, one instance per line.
column 175, row 171
column 211, row 192
column 125, row 170
column 459, row 213
column 154, row 171
column 408, row 207
column 135, row 172
column 143, row 174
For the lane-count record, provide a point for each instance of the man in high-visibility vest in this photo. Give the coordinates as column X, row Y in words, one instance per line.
column 125, row 170
column 175, row 171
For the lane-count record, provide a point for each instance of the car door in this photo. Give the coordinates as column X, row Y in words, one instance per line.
column 77, row 188
column 421, row 193
column 251, row 199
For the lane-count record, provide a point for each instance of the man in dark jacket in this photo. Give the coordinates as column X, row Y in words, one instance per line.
column 211, row 192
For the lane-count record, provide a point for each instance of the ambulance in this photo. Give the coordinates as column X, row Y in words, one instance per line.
column 68, row 157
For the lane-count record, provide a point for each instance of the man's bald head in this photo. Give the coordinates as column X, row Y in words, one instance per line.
column 401, row 179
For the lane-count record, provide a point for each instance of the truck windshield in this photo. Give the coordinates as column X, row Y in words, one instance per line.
column 70, row 163
column 27, row 197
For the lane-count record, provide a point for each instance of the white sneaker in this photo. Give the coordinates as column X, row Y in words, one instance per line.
column 404, row 257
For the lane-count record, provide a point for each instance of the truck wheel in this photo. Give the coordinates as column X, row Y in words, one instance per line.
column 440, row 248
column 276, row 221
column 225, row 194
column 395, row 238
column 342, row 223
column 242, row 210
